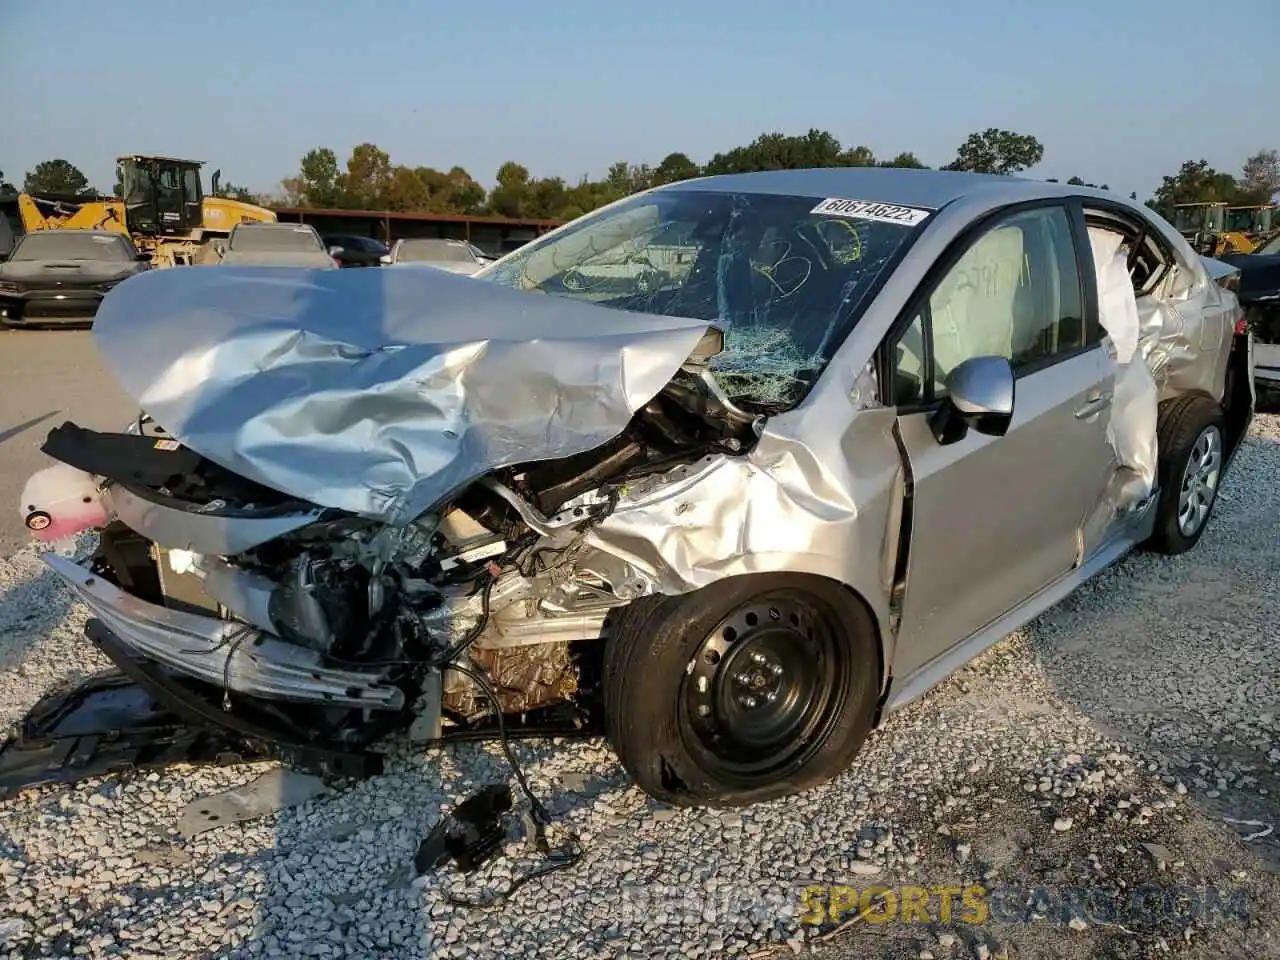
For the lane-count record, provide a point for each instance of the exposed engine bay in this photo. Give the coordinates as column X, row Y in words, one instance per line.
column 491, row 600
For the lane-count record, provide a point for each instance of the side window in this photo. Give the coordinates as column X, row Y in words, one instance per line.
column 1015, row 293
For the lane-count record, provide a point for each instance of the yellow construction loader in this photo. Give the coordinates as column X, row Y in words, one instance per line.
column 1216, row 228
column 163, row 210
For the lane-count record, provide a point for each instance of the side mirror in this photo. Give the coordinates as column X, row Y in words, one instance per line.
column 385, row 258
column 980, row 394
column 336, row 251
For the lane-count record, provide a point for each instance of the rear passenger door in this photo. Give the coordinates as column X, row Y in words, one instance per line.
column 995, row 519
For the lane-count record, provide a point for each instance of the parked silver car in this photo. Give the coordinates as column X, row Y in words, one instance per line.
column 741, row 464
column 455, row 256
column 276, row 245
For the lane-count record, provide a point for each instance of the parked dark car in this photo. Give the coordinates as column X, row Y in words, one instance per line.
column 1259, row 295
column 356, row 251
column 7, row 236
column 61, row 276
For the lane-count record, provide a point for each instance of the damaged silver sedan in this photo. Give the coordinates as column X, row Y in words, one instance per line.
column 731, row 468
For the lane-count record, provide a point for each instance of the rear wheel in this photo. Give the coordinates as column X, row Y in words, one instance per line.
column 752, row 688
column 1192, row 455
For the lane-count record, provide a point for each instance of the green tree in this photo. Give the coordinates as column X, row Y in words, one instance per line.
column 546, row 198
column 1261, row 180
column 859, row 156
column 231, row 191
column 997, row 151
column 317, row 182
column 1195, row 182
column 465, row 195
column 511, row 197
column 908, row 160
column 1077, row 182
column 5, row 185
column 674, row 168
column 406, row 190
column 623, row 179
column 57, row 176
column 777, row 151
column 367, row 179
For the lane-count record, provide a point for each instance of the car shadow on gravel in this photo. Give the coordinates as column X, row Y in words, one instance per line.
column 1186, row 672
column 31, row 603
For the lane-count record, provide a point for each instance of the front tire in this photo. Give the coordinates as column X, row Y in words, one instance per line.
column 752, row 688
column 1192, row 456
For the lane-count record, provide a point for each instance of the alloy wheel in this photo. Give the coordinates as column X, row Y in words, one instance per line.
column 1200, row 481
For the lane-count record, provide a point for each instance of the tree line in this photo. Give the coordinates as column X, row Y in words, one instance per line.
column 369, row 180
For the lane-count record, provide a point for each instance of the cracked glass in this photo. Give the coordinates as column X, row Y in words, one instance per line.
column 785, row 284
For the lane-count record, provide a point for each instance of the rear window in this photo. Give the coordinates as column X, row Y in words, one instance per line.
column 274, row 240
column 368, row 244
column 432, row 250
column 71, row 245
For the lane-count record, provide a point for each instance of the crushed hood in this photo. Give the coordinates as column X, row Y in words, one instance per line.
column 379, row 391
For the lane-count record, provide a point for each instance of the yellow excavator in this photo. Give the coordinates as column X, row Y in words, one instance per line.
column 1216, row 228
column 163, row 210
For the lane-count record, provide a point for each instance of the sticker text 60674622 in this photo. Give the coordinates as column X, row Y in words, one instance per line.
column 870, row 210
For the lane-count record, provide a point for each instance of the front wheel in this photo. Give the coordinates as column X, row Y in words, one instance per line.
column 1192, row 456
column 753, row 688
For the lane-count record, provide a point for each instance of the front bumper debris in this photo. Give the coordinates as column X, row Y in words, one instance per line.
column 143, row 716
column 108, row 724
column 223, row 653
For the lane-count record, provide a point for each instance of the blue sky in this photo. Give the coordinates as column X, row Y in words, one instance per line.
column 1119, row 92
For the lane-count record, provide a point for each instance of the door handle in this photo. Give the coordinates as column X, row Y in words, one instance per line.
column 1094, row 406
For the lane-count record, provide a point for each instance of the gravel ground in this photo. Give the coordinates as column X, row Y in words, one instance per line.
column 1103, row 747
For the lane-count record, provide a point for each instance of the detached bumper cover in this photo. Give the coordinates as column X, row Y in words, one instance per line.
column 105, row 725
column 220, row 652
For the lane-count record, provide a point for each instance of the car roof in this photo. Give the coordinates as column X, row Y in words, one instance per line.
column 932, row 189
column 79, row 233
column 268, row 225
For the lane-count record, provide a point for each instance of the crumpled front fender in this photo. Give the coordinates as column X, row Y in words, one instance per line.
column 785, row 508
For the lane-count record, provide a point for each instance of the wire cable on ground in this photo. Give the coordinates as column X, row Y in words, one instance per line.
column 556, row 859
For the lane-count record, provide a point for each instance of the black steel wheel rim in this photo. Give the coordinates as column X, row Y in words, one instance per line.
column 764, row 688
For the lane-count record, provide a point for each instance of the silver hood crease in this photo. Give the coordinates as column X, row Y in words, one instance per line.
column 380, row 391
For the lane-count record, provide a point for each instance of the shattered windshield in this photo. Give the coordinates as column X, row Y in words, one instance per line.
column 70, row 245
column 785, row 283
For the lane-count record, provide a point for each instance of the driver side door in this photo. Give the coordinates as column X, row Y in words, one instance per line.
column 994, row 519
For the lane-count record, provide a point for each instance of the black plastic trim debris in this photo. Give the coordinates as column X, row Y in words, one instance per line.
column 107, row 724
